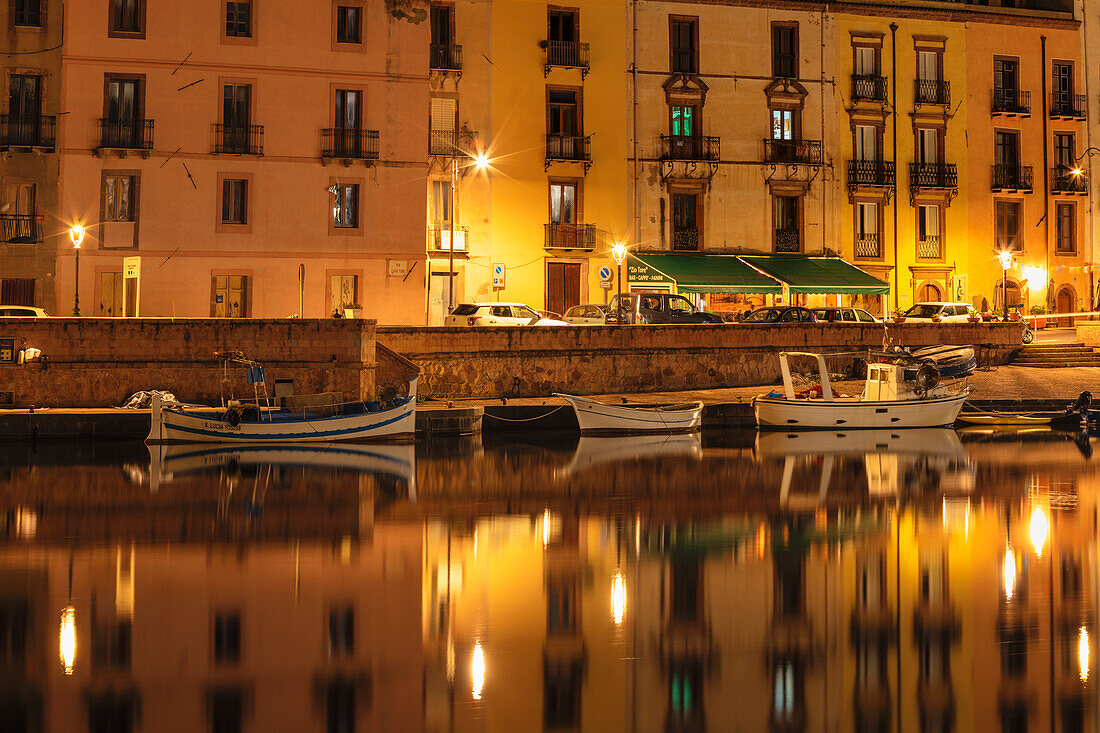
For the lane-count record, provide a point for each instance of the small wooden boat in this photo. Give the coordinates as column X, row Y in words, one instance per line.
column 597, row 417
column 991, row 419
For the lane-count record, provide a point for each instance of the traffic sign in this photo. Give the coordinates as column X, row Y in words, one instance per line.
column 605, row 277
column 498, row 275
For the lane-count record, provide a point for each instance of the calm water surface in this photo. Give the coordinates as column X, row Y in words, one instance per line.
column 909, row 581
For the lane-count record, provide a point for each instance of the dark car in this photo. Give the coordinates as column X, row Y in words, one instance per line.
column 844, row 315
column 781, row 314
column 657, row 308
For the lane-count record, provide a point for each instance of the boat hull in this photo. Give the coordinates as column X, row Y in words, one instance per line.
column 773, row 413
column 598, row 418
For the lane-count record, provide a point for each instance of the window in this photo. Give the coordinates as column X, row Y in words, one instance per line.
column 1009, row 234
column 683, row 34
column 234, row 201
column 236, row 106
column 784, row 51
column 443, row 54
column 230, row 296
column 26, row 12
column 347, row 115
column 1066, row 217
column 227, row 638
column 786, row 224
column 683, row 120
column 928, row 232
column 1006, row 92
column 928, row 146
column 685, row 232
column 349, row 24
column 345, row 208
column 341, row 631
column 118, row 194
column 1062, row 88
column 1063, row 151
column 24, row 100
column 928, row 65
column 562, row 117
column 866, row 142
column 783, row 124
column 563, row 203
column 867, row 238
column 441, row 202
column 1006, row 148
column 238, row 19
column 444, row 122
column 865, row 61
column 344, row 292
column 127, row 16
column 563, row 26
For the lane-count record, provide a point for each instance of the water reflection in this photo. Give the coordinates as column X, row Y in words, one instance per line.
column 916, row 580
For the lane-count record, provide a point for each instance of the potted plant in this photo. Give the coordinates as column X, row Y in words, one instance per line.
column 974, row 317
column 1014, row 315
column 936, row 318
column 898, row 316
column 1038, row 310
column 354, row 310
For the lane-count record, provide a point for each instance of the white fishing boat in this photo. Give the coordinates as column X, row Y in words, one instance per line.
column 598, row 417
column 888, row 400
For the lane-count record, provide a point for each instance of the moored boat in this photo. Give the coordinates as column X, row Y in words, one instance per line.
column 597, row 417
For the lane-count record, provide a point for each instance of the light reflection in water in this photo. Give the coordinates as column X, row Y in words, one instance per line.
column 477, row 670
column 618, row 598
column 66, row 639
column 1040, row 528
column 1008, row 573
column 1083, row 653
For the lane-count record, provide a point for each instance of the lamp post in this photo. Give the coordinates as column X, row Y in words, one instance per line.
column 76, row 234
column 1006, row 262
column 619, row 253
column 481, row 162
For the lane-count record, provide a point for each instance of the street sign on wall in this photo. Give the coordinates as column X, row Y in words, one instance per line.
column 498, row 276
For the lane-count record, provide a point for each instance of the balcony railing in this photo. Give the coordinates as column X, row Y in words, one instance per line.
column 567, row 54
column 1063, row 104
column 570, row 236
column 684, row 61
column 806, row 152
column 345, row 142
column 239, row 140
column 126, row 134
column 868, row 87
column 933, row 175
column 1063, row 180
column 928, row 247
column 690, row 147
column 787, row 240
column 867, row 245
column 34, row 132
column 932, row 91
column 1011, row 177
column 569, row 147
column 870, row 173
column 685, row 239
column 20, row 228
column 1011, row 102
column 442, row 142
column 445, row 57
column 440, row 238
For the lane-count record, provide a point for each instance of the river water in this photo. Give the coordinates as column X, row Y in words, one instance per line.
column 908, row 581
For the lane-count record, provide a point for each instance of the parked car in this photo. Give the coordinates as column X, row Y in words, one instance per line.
column 657, row 308
column 591, row 313
column 781, row 314
column 844, row 315
column 498, row 314
column 22, row 311
column 948, row 312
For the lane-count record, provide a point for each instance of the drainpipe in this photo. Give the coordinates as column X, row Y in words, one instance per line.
column 1046, row 168
column 634, row 118
column 1088, row 144
column 894, row 117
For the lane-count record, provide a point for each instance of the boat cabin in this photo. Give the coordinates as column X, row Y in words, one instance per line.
column 885, row 382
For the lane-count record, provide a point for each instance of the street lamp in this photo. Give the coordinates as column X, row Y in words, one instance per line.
column 76, row 234
column 619, row 253
column 481, row 162
column 1006, row 262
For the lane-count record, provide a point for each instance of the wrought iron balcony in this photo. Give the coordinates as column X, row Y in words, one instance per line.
column 685, row 239
column 868, row 88
column 1011, row 102
column 570, row 148
column 21, row 228
column 933, row 176
column 33, row 132
column 1063, row 104
column 239, row 139
column 690, row 147
column 445, row 57
column 349, row 143
column 443, row 142
column 867, row 245
column 565, row 54
column 932, row 91
column 928, row 247
column 804, row 152
column 685, row 61
column 126, row 134
column 1062, row 180
column 788, row 239
column 872, row 173
column 1011, row 177
column 440, row 238
column 570, row 236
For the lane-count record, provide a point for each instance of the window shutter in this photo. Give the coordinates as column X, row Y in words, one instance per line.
column 443, row 113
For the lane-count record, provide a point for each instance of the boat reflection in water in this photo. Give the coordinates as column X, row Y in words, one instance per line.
column 696, row 583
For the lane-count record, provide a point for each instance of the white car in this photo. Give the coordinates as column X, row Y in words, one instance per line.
column 947, row 312
column 498, row 314
column 21, row 311
column 592, row 314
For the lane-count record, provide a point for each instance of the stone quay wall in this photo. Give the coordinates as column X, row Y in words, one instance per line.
column 97, row 362
column 531, row 362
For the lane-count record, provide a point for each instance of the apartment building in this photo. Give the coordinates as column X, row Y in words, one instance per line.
column 30, row 55
column 254, row 155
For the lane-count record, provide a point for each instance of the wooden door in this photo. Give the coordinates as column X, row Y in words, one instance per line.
column 17, row 291
column 563, row 286
column 230, row 293
column 110, row 294
column 929, row 294
column 1064, row 304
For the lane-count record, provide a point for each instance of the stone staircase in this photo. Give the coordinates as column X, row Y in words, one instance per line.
column 1051, row 356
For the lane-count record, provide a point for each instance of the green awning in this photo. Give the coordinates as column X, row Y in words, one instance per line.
column 698, row 274
column 818, row 274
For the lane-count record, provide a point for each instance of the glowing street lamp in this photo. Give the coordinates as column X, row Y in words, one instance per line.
column 66, row 639
column 481, row 163
column 619, row 253
column 76, row 234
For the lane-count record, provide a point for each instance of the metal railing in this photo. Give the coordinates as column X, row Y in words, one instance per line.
column 126, row 134
column 20, row 228
column 783, row 65
column 787, row 239
column 1064, row 104
column 239, row 139
column 445, row 57
column 933, row 175
column 440, row 238
column 868, row 87
column 569, row 54
column 569, row 147
column 1011, row 101
column 1011, row 177
column 684, row 61
column 806, row 152
column 928, row 247
column 690, row 147
column 932, row 91
column 867, row 245
column 33, row 132
column 570, row 236
column 346, row 142
column 1062, row 180
column 685, row 239
column 442, row 142
column 870, row 173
